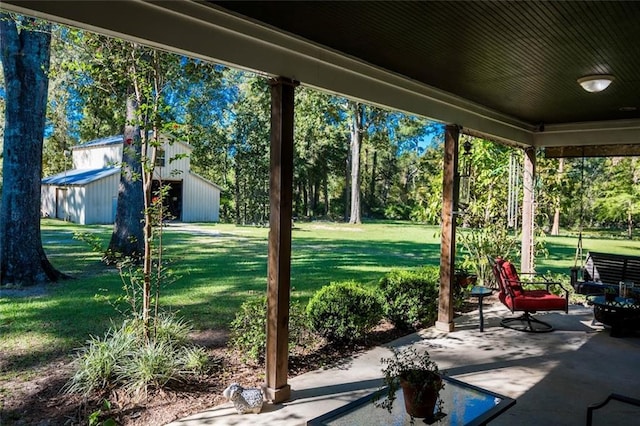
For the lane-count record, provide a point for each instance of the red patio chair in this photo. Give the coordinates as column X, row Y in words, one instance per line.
column 515, row 297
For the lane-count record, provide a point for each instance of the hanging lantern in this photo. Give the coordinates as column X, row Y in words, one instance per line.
column 464, row 195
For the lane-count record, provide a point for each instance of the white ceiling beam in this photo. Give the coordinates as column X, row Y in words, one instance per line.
column 614, row 132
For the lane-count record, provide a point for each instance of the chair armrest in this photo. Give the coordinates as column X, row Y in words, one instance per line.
column 559, row 284
column 613, row 396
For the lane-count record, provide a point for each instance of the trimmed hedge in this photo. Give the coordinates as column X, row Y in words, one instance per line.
column 249, row 328
column 344, row 311
column 411, row 296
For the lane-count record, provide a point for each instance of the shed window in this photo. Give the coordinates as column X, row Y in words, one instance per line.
column 160, row 162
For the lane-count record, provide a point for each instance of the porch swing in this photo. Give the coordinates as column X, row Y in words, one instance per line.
column 585, row 276
column 599, row 272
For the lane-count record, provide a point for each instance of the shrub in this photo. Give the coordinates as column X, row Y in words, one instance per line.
column 480, row 244
column 411, row 296
column 344, row 311
column 249, row 328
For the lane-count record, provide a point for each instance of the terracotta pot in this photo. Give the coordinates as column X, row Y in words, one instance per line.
column 464, row 280
column 420, row 398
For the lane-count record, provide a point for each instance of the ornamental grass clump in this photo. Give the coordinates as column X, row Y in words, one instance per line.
column 125, row 358
column 151, row 365
column 97, row 362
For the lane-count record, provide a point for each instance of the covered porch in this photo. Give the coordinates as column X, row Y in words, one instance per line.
column 505, row 71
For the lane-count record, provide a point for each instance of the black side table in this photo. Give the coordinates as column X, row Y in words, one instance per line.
column 480, row 292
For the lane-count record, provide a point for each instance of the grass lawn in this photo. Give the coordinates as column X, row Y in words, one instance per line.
column 220, row 266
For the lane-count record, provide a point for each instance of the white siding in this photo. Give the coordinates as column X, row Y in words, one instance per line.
column 177, row 169
column 94, row 203
column 99, row 200
column 97, row 157
column 63, row 202
column 201, row 200
column 48, row 195
column 76, row 204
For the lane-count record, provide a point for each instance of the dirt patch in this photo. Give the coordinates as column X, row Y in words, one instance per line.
column 38, row 400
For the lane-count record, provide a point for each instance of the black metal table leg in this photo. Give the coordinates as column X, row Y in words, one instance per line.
column 480, row 311
column 480, row 292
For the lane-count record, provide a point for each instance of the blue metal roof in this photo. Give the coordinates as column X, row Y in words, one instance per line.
column 80, row 176
column 109, row 140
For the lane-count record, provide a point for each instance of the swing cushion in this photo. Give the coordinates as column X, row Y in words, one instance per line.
column 516, row 298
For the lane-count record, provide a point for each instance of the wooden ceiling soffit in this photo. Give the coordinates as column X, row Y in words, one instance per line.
column 627, row 150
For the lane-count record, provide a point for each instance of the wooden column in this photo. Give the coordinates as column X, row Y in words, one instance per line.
column 448, row 238
column 528, row 183
column 279, row 267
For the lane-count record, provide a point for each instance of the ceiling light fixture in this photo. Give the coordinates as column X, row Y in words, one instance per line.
column 595, row 83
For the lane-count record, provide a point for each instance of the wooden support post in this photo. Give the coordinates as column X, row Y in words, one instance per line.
column 279, row 267
column 448, row 238
column 528, row 183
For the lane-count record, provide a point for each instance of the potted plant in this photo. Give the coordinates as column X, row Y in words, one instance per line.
column 464, row 279
column 418, row 376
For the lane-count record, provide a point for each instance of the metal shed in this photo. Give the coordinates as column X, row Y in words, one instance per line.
column 88, row 193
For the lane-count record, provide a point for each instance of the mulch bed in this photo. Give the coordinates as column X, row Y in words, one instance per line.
column 39, row 401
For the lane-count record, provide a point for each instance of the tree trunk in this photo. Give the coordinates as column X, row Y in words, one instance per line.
column 237, row 194
column 372, row 185
column 305, row 196
column 487, row 210
column 356, row 139
column 310, row 206
column 347, row 187
column 148, row 223
column 25, row 60
column 555, row 227
column 316, row 197
column 127, row 238
column 325, row 193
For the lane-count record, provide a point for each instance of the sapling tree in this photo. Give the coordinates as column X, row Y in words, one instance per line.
column 150, row 349
column 123, row 85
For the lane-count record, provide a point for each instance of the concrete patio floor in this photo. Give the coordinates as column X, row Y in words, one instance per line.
column 553, row 376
